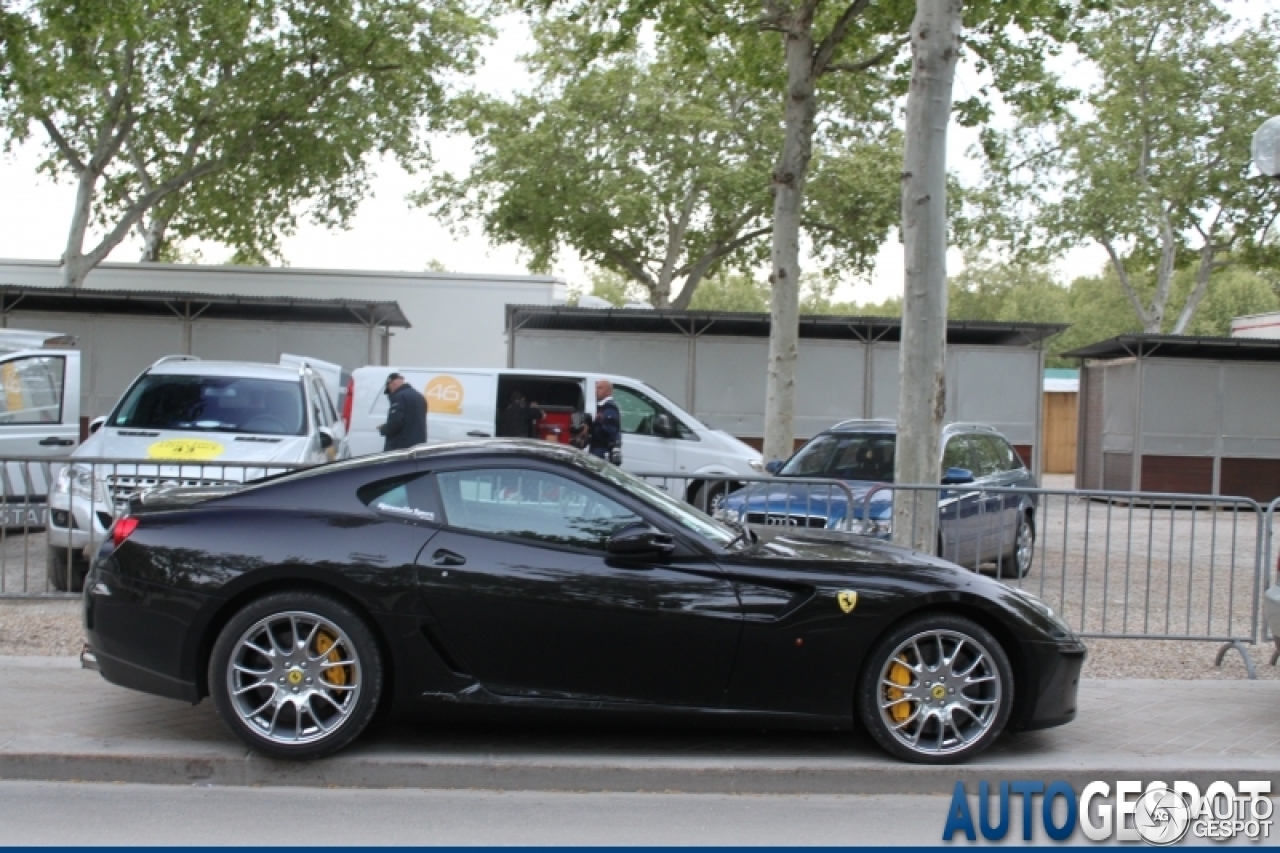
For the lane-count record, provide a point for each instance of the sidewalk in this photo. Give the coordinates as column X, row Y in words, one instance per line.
column 58, row 722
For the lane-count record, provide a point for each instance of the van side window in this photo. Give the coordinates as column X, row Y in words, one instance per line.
column 640, row 414
column 31, row 390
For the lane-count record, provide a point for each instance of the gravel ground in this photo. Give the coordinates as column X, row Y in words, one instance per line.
column 53, row 628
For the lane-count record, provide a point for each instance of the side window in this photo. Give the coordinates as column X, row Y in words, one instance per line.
column 956, row 454
column 325, row 405
column 533, row 505
column 409, row 498
column 1009, row 458
column 32, row 390
column 986, row 459
column 639, row 413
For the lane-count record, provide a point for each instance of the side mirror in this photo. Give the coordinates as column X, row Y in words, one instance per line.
column 773, row 467
column 326, row 438
column 640, row 540
column 664, row 426
column 96, row 423
column 957, row 476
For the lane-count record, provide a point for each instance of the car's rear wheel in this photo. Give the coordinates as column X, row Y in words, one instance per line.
column 57, row 561
column 296, row 675
column 1017, row 563
column 936, row 689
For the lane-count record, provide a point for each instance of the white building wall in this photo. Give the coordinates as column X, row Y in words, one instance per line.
column 457, row 320
column 1257, row 326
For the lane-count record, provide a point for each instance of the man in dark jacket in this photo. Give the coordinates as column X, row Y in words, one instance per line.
column 406, row 424
column 519, row 419
column 605, row 438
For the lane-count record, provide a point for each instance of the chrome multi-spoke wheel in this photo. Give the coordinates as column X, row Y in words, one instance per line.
column 1018, row 561
column 296, row 675
column 937, row 690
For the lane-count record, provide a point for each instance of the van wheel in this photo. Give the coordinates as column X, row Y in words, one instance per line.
column 709, row 497
column 56, row 568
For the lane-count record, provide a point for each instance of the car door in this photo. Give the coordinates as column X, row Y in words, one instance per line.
column 644, row 449
column 530, row 603
column 37, row 419
column 993, row 516
column 959, row 513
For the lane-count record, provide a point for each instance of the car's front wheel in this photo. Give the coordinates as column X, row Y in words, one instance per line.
column 296, row 675
column 66, row 570
column 1017, row 562
column 936, row 689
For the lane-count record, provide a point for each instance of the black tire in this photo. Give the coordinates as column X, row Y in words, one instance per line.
column 55, row 562
column 893, row 718
column 328, row 700
column 708, row 496
column 1017, row 562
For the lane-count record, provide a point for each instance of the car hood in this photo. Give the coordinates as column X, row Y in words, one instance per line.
column 809, row 499
column 172, row 446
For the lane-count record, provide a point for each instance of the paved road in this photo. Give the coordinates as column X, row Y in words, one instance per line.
column 37, row 812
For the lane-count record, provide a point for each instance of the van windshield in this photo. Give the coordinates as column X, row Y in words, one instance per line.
column 845, row 456
column 219, row 403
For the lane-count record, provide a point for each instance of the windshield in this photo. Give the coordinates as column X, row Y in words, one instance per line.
column 845, row 456
column 689, row 518
column 221, row 403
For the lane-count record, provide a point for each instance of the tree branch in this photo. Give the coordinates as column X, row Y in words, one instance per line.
column 827, row 48
column 890, row 51
column 1118, row 265
column 709, row 258
column 629, row 263
column 64, row 147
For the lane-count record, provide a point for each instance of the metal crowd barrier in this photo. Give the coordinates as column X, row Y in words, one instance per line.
column 46, row 540
column 1113, row 565
column 1270, row 564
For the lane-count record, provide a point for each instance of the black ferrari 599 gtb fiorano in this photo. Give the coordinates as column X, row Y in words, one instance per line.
column 522, row 573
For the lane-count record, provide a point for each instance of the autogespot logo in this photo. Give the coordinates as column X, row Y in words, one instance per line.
column 1158, row 814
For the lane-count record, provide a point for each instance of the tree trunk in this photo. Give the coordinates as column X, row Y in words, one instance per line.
column 935, row 45
column 153, row 235
column 1204, row 271
column 788, row 187
column 75, row 266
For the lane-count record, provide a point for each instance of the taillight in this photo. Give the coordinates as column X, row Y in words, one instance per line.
column 346, row 403
column 123, row 529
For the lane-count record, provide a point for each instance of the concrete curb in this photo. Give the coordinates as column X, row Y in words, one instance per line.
column 177, row 763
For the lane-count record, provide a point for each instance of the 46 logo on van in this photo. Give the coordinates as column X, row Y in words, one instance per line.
column 444, row 396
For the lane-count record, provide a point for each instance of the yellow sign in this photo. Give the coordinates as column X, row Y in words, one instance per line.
column 195, row 449
column 847, row 599
column 444, row 396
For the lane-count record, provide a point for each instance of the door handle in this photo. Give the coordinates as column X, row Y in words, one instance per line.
column 444, row 557
column 475, row 433
column 54, row 441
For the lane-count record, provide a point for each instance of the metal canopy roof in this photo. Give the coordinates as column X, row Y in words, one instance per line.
column 1181, row 346
column 744, row 325
column 220, row 306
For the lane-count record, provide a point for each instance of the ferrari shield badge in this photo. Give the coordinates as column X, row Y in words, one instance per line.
column 847, row 599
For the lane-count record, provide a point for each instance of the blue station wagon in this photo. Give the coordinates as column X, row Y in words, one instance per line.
column 974, row 526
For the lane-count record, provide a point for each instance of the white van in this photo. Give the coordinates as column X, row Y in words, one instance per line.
column 658, row 436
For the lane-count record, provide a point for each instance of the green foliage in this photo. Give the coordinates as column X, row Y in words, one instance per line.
column 144, row 102
column 729, row 291
column 1153, row 162
column 658, row 169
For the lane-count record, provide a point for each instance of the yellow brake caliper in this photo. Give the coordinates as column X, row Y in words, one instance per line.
column 337, row 675
column 898, row 674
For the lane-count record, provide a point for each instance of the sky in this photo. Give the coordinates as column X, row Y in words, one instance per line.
column 387, row 233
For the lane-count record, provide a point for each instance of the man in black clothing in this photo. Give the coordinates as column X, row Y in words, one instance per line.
column 605, row 439
column 519, row 419
column 406, row 424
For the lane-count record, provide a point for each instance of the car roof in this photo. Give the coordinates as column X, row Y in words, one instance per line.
column 528, row 447
column 245, row 369
column 887, row 426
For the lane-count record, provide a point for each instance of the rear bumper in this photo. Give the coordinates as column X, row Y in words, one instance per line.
column 136, row 636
